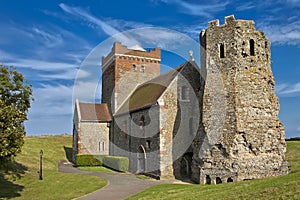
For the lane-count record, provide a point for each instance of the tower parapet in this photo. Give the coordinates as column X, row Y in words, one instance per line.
column 231, row 21
column 135, row 53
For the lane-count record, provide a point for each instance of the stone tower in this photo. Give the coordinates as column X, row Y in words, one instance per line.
column 123, row 69
column 243, row 135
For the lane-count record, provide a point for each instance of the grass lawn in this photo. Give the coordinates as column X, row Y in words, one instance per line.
column 98, row 169
column 284, row 187
column 23, row 181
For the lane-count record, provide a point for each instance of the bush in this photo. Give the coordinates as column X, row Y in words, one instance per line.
column 116, row 162
column 89, row 160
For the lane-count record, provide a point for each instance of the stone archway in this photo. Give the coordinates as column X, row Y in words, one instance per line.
column 185, row 165
column 141, row 159
column 218, row 180
column 207, row 179
column 229, row 180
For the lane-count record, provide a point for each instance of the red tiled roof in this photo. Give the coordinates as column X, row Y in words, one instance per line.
column 94, row 112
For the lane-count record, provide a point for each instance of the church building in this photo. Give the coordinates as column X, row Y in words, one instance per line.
column 217, row 125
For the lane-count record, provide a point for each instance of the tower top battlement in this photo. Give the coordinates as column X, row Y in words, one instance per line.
column 231, row 21
column 121, row 50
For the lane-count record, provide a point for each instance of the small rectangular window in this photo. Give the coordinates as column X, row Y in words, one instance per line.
column 222, row 51
column 251, row 47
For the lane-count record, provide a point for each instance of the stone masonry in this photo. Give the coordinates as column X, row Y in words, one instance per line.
column 240, row 109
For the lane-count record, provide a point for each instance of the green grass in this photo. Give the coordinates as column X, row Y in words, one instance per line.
column 98, row 169
column 284, row 187
column 22, row 180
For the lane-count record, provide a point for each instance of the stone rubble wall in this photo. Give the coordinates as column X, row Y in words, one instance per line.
column 91, row 137
column 240, row 108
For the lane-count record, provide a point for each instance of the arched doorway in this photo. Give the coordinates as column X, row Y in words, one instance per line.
column 141, row 159
column 185, row 165
column 218, row 180
column 229, row 180
column 208, row 179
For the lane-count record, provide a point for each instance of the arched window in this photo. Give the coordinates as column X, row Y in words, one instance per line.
column 222, row 51
column 134, row 67
column 251, row 47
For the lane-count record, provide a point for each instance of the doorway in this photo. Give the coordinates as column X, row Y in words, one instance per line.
column 185, row 166
column 141, row 159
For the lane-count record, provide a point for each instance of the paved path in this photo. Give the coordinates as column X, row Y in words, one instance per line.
column 120, row 186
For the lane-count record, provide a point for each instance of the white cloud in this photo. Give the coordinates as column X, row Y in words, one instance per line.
column 198, row 9
column 294, row 3
column 39, row 64
column 281, row 33
column 87, row 91
column 245, row 6
column 288, row 89
column 104, row 25
column 65, row 75
column 51, row 100
column 109, row 30
column 49, row 39
column 52, row 110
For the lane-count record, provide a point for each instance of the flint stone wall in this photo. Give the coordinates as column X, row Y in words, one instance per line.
column 240, row 109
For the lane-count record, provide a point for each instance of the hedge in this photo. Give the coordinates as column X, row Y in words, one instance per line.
column 116, row 162
column 89, row 160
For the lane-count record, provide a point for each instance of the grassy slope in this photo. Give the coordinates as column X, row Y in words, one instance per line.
column 284, row 187
column 25, row 183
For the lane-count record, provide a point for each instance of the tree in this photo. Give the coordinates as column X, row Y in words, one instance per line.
column 15, row 98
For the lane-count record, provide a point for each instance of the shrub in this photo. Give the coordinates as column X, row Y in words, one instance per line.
column 116, row 162
column 89, row 160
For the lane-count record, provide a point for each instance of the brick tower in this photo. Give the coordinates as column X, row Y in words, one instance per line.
column 123, row 69
column 240, row 109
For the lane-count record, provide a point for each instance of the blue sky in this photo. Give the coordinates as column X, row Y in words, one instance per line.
column 48, row 42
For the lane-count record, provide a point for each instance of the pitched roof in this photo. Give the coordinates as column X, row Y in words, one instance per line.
column 149, row 92
column 94, row 112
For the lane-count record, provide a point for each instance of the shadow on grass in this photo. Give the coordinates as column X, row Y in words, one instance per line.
column 9, row 173
column 69, row 152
